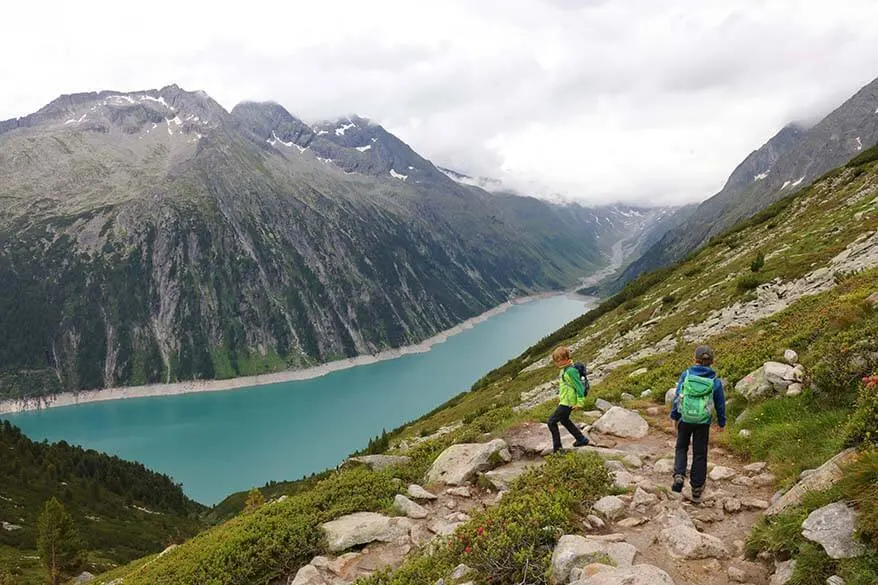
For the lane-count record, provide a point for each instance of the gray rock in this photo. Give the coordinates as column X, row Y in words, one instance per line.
column 794, row 389
column 418, row 493
column 791, row 357
column 783, row 572
column 744, row 433
column 685, row 542
column 821, row 479
column 83, row 577
column 642, row 498
column 833, row 527
column 622, row 479
column 654, row 410
column 834, row 580
column 757, row 467
column 610, row 507
column 379, row 462
column 737, row 575
column 613, row 465
column 646, row 394
column 442, row 526
column 460, row 492
column 764, row 479
column 622, row 422
column 732, row 505
column 631, row 522
column 754, row 385
column 664, row 466
column 626, row 396
column 574, row 551
column 408, row 507
column 669, row 395
column 779, row 375
column 638, row 372
column 596, row 522
column 755, row 504
column 308, row 575
column 603, row 405
column 460, row 571
column 632, row 461
column 719, row 473
column 635, row 575
column 363, row 528
column 589, row 570
column 501, row 477
column 459, row 464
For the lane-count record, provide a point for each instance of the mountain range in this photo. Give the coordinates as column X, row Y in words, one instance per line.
column 153, row 236
column 790, row 161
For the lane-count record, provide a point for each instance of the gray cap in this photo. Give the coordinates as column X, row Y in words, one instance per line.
column 703, row 352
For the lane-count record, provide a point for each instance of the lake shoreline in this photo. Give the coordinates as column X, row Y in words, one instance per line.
column 190, row 387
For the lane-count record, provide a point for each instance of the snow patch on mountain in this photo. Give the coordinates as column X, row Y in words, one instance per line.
column 399, row 176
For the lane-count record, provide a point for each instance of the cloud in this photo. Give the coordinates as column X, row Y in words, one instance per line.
column 641, row 101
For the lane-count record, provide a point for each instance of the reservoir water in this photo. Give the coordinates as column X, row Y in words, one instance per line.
column 216, row 443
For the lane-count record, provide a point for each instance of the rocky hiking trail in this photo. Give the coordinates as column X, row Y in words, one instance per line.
column 650, row 534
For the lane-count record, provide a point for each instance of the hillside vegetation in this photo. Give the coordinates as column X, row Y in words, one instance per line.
column 812, row 290
column 121, row 509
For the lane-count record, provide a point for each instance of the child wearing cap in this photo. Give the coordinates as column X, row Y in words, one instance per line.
column 699, row 392
column 571, row 394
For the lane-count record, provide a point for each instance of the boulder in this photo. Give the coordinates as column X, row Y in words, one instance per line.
column 794, row 389
column 596, row 522
column 363, row 528
column 409, row 508
column 632, row 461
column 308, row 575
column 610, row 507
column 791, row 357
column 779, row 375
column 501, row 477
column 622, row 422
column 669, row 395
column 622, row 479
column 635, row 575
column 833, row 527
column 459, row 464
column 754, row 385
column 732, row 505
column 416, row 492
column 821, row 479
column 603, row 405
column 574, row 551
column 643, row 498
column 783, row 572
column 719, row 473
column 529, row 438
column 685, row 542
column 379, row 462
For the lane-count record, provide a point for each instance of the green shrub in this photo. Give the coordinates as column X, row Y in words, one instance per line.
column 747, row 282
column 867, row 156
column 669, row 299
column 860, row 486
column 758, row 262
column 512, row 542
column 813, row 566
column 862, row 427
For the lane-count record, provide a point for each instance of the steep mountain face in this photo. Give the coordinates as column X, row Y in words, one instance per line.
column 153, row 236
column 790, row 161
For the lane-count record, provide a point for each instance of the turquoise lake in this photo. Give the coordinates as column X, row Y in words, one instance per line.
column 216, row 443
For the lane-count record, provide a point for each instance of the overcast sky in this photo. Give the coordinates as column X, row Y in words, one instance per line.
column 641, row 101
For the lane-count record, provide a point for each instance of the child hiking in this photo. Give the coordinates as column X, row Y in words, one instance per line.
column 698, row 391
column 571, row 394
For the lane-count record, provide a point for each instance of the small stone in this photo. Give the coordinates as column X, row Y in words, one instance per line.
column 451, row 504
column 626, row 396
column 737, row 575
column 646, row 393
column 610, row 507
column 631, row 522
column 669, row 395
column 783, row 572
column 416, row 492
column 603, row 405
column 592, row 413
column 791, row 357
column 460, row 571
column 732, row 505
column 757, row 467
column 754, row 504
column 664, row 466
column 615, row 537
column 642, row 498
column 713, row 566
column 461, row 492
column 744, row 433
column 720, row 473
column 638, row 372
column 596, row 522
column 632, row 461
column 764, row 479
column 408, row 507
column 613, row 465
column 794, row 389
column 834, row 580
column 743, row 480
column 654, row 411
column 622, row 479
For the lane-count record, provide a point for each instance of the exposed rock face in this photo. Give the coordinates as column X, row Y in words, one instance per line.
column 833, row 528
column 363, row 528
column 459, row 464
column 822, row 478
column 635, row 575
column 622, row 423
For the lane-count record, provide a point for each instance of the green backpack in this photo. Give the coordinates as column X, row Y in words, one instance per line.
column 695, row 399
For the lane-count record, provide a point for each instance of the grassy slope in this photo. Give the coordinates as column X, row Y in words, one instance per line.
column 792, row 434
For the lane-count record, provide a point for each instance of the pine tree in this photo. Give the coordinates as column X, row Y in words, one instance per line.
column 58, row 541
column 255, row 499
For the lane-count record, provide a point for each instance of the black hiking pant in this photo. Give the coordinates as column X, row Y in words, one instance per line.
column 698, row 435
column 562, row 415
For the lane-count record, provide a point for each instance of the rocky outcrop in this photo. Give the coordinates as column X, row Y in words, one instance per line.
column 833, row 527
column 574, row 551
column 621, row 422
column 635, row 575
column 771, row 378
column 822, row 478
column 363, row 528
column 459, row 464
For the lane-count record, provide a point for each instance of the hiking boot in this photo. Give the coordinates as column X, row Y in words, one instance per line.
column 581, row 443
column 678, row 484
column 696, row 494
